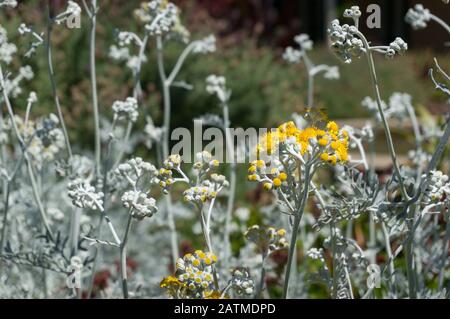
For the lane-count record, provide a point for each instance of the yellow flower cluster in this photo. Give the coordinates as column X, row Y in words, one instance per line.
column 275, row 179
column 165, row 179
column 199, row 194
column 330, row 145
column 207, row 190
column 205, row 161
column 335, row 144
column 193, row 277
column 172, row 284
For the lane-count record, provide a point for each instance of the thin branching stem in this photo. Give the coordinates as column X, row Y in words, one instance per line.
column 51, row 74
column 232, row 191
column 123, row 256
column 23, row 147
column 165, row 143
column 387, row 130
column 295, row 228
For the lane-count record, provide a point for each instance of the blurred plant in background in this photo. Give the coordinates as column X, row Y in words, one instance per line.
column 323, row 212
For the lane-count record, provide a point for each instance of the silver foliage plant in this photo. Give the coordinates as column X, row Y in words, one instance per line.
column 104, row 224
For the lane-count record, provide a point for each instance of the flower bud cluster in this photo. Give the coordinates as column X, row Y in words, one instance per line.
column 216, row 85
column 398, row 46
column 242, row 283
column 160, row 17
column 207, row 190
column 126, row 110
column 204, row 46
column 438, row 185
column 195, row 272
column 8, row 3
column 141, row 204
column 344, row 42
column 73, row 9
column 7, row 50
column 267, row 239
column 418, row 17
column 294, row 56
column 134, row 169
column 84, row 195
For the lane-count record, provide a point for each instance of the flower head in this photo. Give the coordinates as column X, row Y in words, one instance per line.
column 207, row 190
column 126, row 110
column 72, row 10
column 84, row 195
column 304, row 41
column 309, row 143
column 193, row 276
column 267, row 239
column 354, row 13
column 8, row 3
column 292, row 55
column 162, row 17
column 207, row 45
column 438, row 185
column 418, row 17
column 398, row 46
column 217, row 85
column 344, row 43
column 172, row 284
column 134, row 169
column 140, row 203
column 242, row 283
column 7, row 50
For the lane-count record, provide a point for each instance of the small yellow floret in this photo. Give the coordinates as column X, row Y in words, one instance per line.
column 334, row 145
column 323, row 141
column 281, row 232
column 277, row 182
column 200, row 254
column 215, row 163
column 324, row 157
column 332, row 126
column 260, row 164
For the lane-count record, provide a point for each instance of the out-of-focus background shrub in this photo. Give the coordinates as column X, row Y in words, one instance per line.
column 252, row 35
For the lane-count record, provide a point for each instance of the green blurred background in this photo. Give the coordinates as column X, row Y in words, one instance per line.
column 251, row 38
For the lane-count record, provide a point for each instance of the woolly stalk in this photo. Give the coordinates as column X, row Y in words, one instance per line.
column 232, row 192
column 411, row 205
column 165, row 144
column 25, row 154
column 137, row 92
column 262, row 277
column 6, row 188
column 6, row 192
column 95, row 109
column 408, row 247
column 309, row 68
column 387, row 130
column 206, row 228
column 123, row 256
column 121, row 152
column 297, row 219
column 53, row 83
column 440, row 22
column 390, row 256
